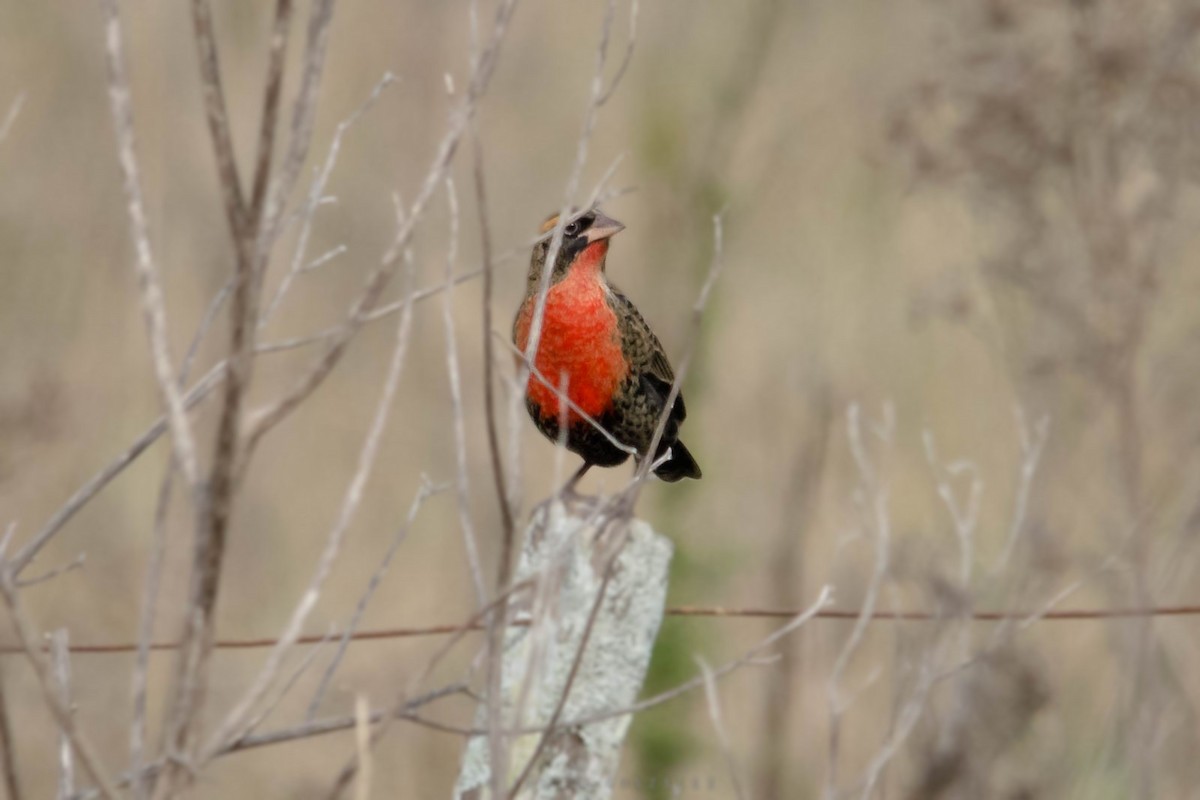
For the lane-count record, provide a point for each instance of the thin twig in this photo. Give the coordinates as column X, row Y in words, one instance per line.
column 379, row 313
column 590, row 116
column 296, row 733
column 1033, row 442
column 507, row 521
column 8, row 745
column 384, row 723
column 313, row 201
column 153, row 579
column 60, row 653
column 297, row 673
column 462, row 485
column 630, row 495
column 325, row 258
column 75, row 563
column 367, row 300
column 217, row 117
column 874, row 498
column 201, row 390
column 85, row 493
column 426, row 491
column 270, row 106
column 230, row 728
column 207, row 320
column 910, row 713
column 749, row 657
column 300, row 135
column 626, row 58
column 180, row 730
column 321, row 727
column 29, row 639
column 713, row 701
column 362, row 745
column 965, row 517
column 149, row 284
column 597, row 97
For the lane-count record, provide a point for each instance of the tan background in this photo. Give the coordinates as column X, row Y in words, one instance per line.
column 854, row 272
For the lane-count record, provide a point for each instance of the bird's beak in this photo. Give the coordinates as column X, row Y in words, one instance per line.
column 603, row 227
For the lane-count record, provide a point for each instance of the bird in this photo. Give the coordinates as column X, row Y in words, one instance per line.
column 596, row 344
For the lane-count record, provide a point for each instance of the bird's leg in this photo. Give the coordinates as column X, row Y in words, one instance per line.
column 568, row 489
column 567, row 494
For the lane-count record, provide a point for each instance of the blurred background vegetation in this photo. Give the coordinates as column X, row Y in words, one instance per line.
column 949, row 210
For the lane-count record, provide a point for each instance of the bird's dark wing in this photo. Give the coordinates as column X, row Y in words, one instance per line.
column 644, row 353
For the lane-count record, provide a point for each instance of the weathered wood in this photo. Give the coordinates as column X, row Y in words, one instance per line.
column 568, row 555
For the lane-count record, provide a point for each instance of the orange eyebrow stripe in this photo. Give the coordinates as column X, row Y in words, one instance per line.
column 549, row 224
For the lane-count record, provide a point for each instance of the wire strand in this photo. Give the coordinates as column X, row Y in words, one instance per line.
column 708, row 612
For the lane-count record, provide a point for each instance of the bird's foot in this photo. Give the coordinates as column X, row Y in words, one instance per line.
column 576, row 501
column 572, row 502
column 570, row 497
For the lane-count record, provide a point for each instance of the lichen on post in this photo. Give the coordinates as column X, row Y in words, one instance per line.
column 574, row 558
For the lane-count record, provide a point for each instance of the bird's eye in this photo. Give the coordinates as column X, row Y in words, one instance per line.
column 573, row 228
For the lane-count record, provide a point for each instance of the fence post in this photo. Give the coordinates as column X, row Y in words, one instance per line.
column 567, row 554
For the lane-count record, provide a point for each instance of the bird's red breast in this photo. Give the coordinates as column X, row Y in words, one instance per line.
column 580, row 340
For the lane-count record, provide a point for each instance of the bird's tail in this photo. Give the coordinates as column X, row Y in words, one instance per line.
column 680, row 465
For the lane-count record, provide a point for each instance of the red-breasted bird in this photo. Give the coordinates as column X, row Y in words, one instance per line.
column 594, row 339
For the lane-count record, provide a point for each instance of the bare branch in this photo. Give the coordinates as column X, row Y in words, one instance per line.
column 874, row 500
column 750, row 657
column 313, row 201
column 462, row 487
column 301, row 668
column 270, row 106
column 402, row 701
column 75, row 563
column 153, row 304
column 714, row 715
column 626, row 58
column 362, row 745
column 507, row 521
column 340, row 339
column 61, row 654
column 303, row 113
column 253, row 235
column 321, row 727
column 147, row 616
column 8, row 745
column 230, row 728
column 201, row 390
column 297, row 733
column 29, row 639
column 965, row 517
column 426, row 491
column 84, row 494
column 218, row 118
column 379, row 313
column 1033, row 442
column 630, row 495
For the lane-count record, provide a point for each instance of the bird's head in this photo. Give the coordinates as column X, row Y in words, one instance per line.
column 584, row 244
